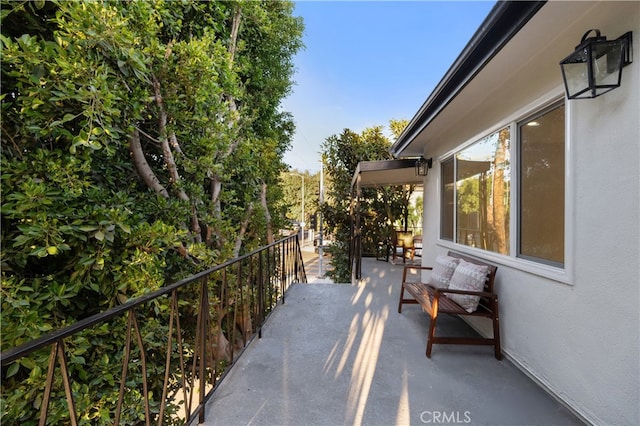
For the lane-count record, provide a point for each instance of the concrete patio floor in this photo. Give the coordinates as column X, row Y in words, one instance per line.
column 339, row 354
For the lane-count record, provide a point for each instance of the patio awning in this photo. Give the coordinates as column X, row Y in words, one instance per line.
column 370, row 174
column 386, row 173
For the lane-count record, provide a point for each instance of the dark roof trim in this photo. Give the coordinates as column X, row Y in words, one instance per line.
column 503, row 22
column 368, row 166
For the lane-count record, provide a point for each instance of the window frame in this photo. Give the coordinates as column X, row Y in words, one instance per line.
column 562, row 274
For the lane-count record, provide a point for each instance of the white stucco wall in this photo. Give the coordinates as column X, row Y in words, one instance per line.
column 581, row 339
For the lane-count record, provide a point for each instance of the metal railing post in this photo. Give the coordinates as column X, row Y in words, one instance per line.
column 204, row 314
column 260, row 296
column 295, row 262
column 286, row 275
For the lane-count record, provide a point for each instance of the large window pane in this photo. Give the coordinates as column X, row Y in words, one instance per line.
column 446, row 208
column 482, row 193
column 541, row 228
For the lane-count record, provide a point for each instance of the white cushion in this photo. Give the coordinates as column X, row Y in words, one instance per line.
column 470, row 277
column 443, row 271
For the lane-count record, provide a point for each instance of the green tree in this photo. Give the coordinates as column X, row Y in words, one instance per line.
column 379, row 207
column 397, row 127
column 416, row 213
column 141, row 142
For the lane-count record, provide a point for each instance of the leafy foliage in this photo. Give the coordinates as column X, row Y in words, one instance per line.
column 292, row 189
column 135, row 138
column 379, row 207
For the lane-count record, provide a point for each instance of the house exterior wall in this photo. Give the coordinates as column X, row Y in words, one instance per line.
column 578, row 335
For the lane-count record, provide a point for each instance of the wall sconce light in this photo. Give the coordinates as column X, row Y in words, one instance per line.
column 595, row 67
column 423, row 165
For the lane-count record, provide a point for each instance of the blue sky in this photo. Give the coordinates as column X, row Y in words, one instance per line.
column 367, row 62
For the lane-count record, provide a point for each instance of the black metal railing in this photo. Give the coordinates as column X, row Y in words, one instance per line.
column 181, row 340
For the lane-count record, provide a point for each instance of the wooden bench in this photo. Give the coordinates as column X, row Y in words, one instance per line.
column 434, row 301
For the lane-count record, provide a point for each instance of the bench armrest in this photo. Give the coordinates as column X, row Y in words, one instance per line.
column 416, row 267
column 406, row 267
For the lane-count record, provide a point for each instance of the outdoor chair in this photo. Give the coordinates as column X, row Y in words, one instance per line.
column 402, row 244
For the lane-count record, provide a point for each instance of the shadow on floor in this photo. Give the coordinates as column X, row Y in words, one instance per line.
column 341, row 354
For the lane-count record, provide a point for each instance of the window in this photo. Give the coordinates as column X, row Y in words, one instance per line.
column 476, row 191
column 446, row 213
column 482, row 193
column 541, row 195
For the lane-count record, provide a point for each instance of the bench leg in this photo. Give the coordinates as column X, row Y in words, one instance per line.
column 400, row 301
column 496, row 331
column 404, row 279
column 432, row 325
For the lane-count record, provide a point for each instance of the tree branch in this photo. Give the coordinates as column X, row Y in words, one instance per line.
column 148, row 136
column 174, row 143
column 13, row 142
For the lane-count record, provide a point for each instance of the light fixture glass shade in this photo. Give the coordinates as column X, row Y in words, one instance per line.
column 594, row 68
column 422, row 166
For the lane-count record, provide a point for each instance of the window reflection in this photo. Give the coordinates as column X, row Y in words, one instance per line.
column 482, row 193
column 446, row 211
column 541, row 230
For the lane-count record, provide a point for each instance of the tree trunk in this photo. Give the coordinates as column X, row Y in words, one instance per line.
column 164, row 142
column 267, row 214
column 143, row 168
column 220, row 344
column 195, row 225
column 235, row 29
column 406, row 194
column 233, row 46
column 244, row 320
column 243, row 230
column 216, row 182
column 216, row 188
